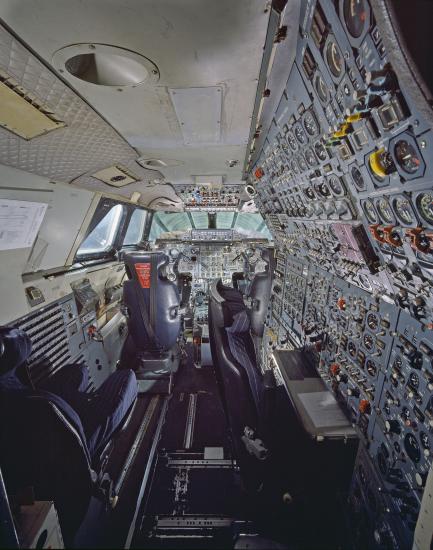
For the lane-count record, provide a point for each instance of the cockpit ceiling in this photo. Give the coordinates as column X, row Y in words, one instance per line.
column 209, row 51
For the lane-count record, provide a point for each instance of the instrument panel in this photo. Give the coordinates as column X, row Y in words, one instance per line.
column 343, row 179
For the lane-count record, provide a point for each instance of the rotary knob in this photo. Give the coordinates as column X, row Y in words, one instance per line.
column 392, row 426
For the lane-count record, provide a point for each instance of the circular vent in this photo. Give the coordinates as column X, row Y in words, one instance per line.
column 105, row 65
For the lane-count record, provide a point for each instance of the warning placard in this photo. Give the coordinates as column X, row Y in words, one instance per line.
column 143, row 274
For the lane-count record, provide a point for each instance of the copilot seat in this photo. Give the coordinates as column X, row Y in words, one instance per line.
column 151, row 303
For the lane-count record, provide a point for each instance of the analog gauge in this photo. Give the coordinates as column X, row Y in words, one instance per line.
column 308, row 192
column 357, row 178
column 310, row 124
column 370, row 211
column 424, row 201
column 320, row 151
column 294, row 166
column 174, row 253
column 300, row 134
column 425, row 440
column 355, row 16
column 414, row 380
column 368, row 341
column 323, row 189
column 403, row 210
column 290, row 138
column 371, row 367
column 351, row 348
column 385, row 211
column 336, row 186
column 372, row 321
column 321, row 88
column 412, row 448
column 302, row 164
column 334, row 58
column 407, row 156
column 310, row 157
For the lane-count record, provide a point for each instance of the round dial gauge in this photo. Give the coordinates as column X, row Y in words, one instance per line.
column 308, row 192
column 323, row 189
column 370, row 211
column 321, row 88
column 357, row 177
column 300, row 134
column 371, row 368
column 302, row 164
column 372, row 321
column 334, row 58
column 424, row 201
column 403, row 210
column 385, row 211
column 414, row 380
column 407, row 156
column 336, row 186
column 351, row 348
column 310, row 158
column 310, row 124
column 368, row 341
column 425, row 440
column 290, row 138
column 405, row 413
column 174, row 253
column 294, row 166
column 320, row 151
column 355, row 16
column 411, row 446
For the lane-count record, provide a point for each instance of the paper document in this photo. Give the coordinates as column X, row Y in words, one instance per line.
column 19, row 223
column 323, row 409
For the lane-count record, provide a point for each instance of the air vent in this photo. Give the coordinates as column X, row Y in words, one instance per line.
column 116, row 176
column 22, row 113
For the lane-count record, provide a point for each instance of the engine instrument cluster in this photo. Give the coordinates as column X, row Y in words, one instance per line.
column 343, row 179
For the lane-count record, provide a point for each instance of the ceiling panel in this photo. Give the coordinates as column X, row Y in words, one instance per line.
column 194, row 43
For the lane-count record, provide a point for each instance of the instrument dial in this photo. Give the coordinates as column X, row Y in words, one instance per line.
column 385, row 211
column 355, row 16
column 336, row 186
column 425, row 440
column 370, row 211
column 372, row 321
column 320, row 151
column 308, row 192
column 290, row 138
column 424, row 201
column 321, row 88
column 310, row 124
column 334, row 58
column 368, row 341
column 310, row 157
column 323, row 189
column 357, row 178
column 403, row 210
column 300, row 134
column 371, row 368
column 302, row 164
column 407, row 156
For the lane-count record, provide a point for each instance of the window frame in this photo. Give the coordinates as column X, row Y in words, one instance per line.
column 104, row 206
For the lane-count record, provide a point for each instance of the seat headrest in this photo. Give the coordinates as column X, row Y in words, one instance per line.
column 131, row 259
column 15, row 348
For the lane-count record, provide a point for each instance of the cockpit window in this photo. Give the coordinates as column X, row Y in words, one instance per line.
column 134, row 233
column 102, row 237
column 247, row 224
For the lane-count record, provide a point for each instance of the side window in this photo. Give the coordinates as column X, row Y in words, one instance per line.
column 102, row 237
column 134, row 233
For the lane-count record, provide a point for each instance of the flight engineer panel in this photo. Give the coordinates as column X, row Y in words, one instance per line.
column 343, row 179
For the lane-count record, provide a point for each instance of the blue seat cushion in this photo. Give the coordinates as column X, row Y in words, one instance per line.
column 242, row 349
column 103, row 413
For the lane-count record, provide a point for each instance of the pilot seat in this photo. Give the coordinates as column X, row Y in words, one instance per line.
column 56, row 437
column 247, row 394
column 151, row 304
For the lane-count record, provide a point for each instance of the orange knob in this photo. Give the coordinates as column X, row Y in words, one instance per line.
column 364, row 406
column 341, row 303
column 334, row 369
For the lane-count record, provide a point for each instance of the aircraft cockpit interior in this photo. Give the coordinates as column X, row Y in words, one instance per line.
column 216, row 274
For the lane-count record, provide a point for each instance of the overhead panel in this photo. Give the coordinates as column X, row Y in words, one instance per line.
column 198, row 111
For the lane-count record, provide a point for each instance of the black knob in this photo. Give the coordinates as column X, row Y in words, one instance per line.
column 392, row 426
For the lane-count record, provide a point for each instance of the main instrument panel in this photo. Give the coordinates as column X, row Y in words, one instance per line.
column 343, row 179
